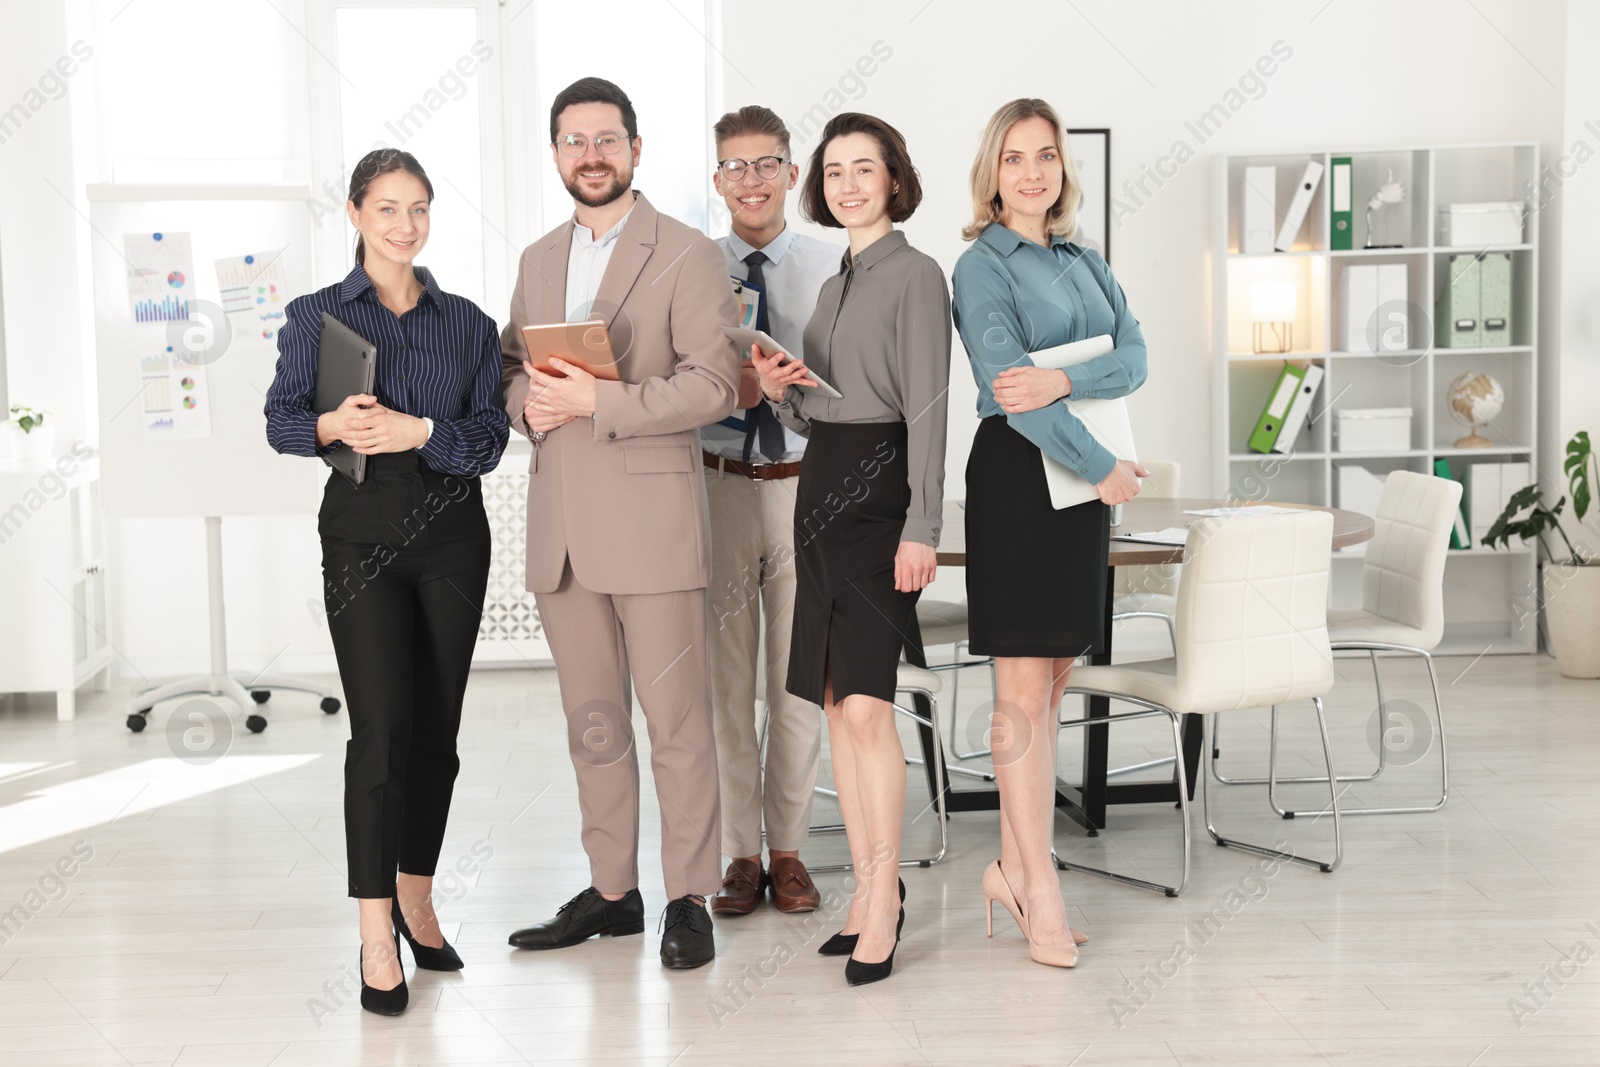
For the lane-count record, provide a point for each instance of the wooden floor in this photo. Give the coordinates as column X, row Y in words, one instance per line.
column 202, row 920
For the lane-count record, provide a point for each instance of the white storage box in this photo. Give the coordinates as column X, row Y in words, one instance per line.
column 1477, row 225
column 1373, row 430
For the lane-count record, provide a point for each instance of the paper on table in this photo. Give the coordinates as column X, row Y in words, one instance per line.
column 1253, row 509
column 1172, row 535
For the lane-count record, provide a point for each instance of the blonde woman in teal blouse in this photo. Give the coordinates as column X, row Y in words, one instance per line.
column 1036, row 577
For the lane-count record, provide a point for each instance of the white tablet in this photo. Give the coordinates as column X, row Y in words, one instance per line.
column 745, row 337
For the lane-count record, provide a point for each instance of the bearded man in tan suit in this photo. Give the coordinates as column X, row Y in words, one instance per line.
column 618, row 549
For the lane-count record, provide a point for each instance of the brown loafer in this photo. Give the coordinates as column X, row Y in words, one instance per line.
column 792, row 887
column 741, row 888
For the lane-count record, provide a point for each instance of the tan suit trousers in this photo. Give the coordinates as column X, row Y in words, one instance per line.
column 599, row 641
column 753, row 576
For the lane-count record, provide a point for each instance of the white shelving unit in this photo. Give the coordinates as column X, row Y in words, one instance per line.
column 1489, row 595
column 53, row 569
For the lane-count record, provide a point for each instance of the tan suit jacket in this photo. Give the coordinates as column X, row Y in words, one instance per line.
column 623, row 494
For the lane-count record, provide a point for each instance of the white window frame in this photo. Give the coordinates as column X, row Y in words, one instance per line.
column 325, row 135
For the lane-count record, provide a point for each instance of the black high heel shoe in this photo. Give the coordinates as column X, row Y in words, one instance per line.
column 858, row 973
column 384, row 1001
column 844, row 944
column 429, row 959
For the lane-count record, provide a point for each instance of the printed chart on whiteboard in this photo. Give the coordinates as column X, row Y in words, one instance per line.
column 176, row 402
column 253, row 286
column 160, row 276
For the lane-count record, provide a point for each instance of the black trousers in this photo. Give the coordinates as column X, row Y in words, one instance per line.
column 405, row 564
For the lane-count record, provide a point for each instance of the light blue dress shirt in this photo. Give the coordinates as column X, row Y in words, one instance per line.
column 1013, row 297
column 797, row 266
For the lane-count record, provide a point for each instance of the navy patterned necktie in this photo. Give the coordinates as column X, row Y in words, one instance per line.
column 764, row 425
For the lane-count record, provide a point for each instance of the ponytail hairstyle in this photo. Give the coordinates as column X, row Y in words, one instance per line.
column 378, row 162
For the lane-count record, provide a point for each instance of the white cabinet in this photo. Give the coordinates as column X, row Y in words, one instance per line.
column 53, row 614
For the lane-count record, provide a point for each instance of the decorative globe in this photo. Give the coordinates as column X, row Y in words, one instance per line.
column 1474, row 400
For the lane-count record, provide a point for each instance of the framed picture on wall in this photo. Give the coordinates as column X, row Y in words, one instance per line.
column 1091, row 151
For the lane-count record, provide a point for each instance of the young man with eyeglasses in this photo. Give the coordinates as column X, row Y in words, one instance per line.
column 753, row 466
column 617, row 553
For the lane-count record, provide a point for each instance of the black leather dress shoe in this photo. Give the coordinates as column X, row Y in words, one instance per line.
column 582, row 917
column 688, row 941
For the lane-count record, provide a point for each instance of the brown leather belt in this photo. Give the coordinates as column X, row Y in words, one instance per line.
column 760, row 472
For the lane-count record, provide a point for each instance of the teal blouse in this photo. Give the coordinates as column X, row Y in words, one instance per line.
column 1013, row 297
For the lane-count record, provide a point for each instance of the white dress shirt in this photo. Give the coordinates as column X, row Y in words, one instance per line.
column 796, row 267
column 586, row 266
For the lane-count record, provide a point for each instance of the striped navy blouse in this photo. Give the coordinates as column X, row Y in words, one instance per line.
column 440, row 360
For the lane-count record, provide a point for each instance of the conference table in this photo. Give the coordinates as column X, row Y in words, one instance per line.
column 1085, row 802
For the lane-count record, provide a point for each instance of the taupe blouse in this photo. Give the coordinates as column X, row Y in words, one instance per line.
column 881, row 336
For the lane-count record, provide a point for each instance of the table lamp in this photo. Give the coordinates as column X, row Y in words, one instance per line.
column 1272, row 309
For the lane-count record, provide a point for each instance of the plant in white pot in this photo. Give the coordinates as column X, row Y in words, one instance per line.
column 1572, row 586
column 30, row 437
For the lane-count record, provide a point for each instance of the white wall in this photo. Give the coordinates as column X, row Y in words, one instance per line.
column 1363, row 72
column 44, row 262
column 1571, row 393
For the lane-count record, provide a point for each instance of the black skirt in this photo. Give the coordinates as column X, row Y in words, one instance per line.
column 1036, row 577
column 850, row 509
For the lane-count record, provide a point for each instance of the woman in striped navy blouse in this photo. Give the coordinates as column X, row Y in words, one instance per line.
column 405, row 556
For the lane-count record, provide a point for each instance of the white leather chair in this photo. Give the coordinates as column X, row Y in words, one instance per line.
column 1251, row 631
column 910, row 681
column 1402, row 608
column 1150, row 591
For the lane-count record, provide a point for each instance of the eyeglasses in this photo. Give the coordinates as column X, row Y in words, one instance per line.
column 574, row 145
column 767, row 167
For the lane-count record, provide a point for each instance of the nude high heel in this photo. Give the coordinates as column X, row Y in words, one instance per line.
column 996, row 888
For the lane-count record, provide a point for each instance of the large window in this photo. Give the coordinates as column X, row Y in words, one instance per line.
column 410, row 77
column 192, row 91
column 656, row 51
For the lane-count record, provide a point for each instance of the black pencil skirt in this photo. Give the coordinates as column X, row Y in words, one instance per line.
column 850, row 509
column 1036, row 577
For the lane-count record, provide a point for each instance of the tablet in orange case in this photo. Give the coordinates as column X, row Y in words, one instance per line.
column 584, row 344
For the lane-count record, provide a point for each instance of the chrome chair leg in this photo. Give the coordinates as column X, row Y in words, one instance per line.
column 1172, row 633
column 955, row 704
column 1444, row 752
column 1175, row 721
column 1326, row 866
column 941, row 781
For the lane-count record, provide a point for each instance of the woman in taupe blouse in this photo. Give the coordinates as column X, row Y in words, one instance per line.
column 867, row 510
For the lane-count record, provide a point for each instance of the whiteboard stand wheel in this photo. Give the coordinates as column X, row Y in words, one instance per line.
column 256, row 723
column 261, row 696
column 137, row 721
column 330, row 705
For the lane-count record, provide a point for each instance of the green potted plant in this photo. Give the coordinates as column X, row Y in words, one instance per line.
column 1571, row 598
column 30, row 436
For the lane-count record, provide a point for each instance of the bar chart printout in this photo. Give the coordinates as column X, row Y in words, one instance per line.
column 174, row 397
column 254, row 285
column 160, row 276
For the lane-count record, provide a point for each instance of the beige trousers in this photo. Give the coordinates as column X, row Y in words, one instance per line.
column 599, row 641
column 753, row 579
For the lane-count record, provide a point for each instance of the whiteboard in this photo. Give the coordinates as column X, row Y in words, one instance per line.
column 233, row 471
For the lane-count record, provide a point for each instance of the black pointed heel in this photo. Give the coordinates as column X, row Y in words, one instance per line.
column 843, row 944
column 384, row 1001
column 858, row 973
column 429, row 959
